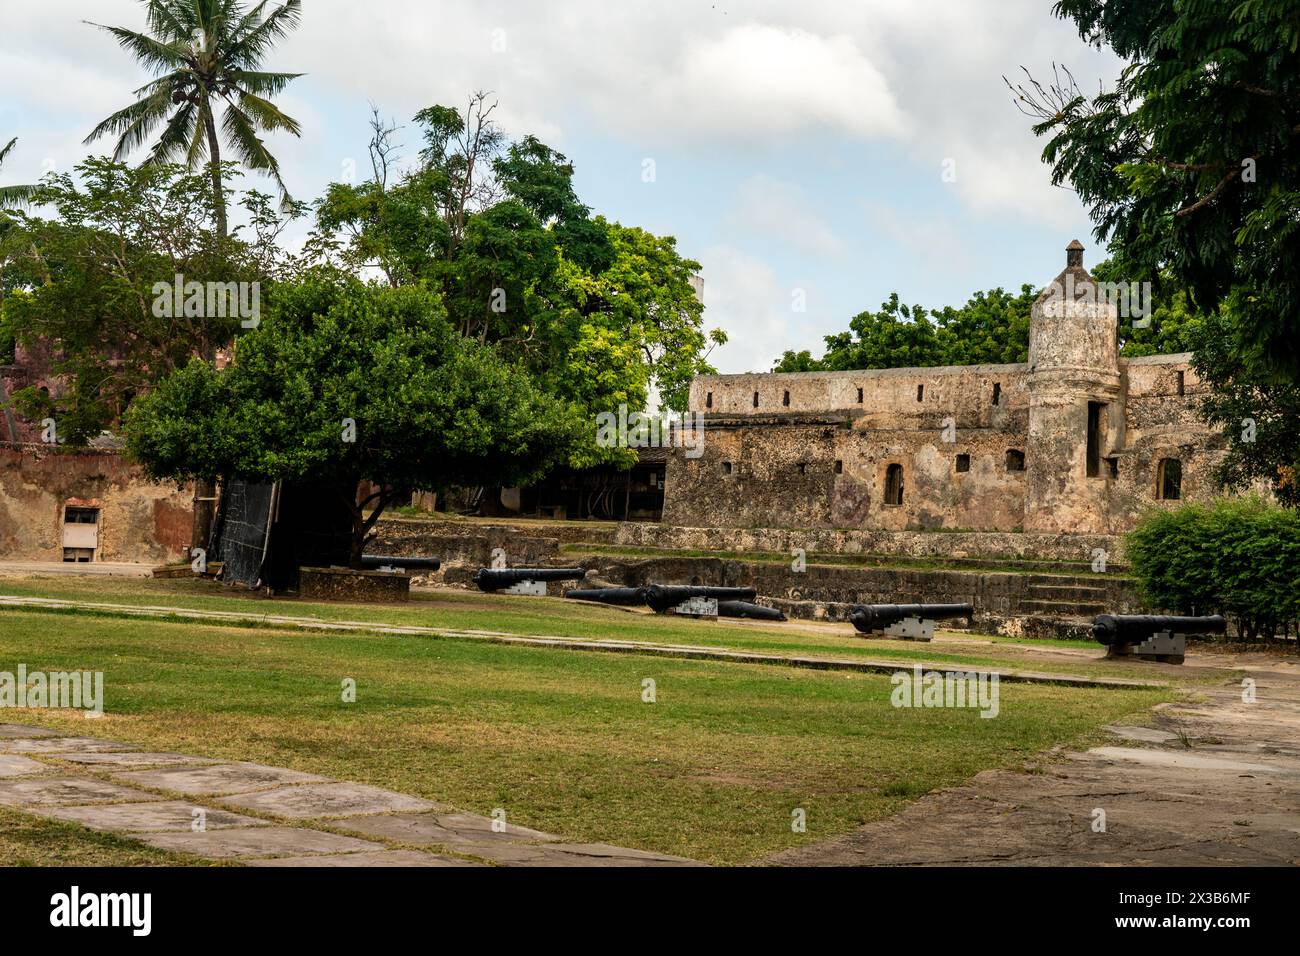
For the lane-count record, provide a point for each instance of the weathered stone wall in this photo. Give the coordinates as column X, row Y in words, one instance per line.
column 139, row 520
column 915, row 544
column 980, row 448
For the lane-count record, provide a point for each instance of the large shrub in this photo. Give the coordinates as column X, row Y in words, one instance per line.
column 1239, row 557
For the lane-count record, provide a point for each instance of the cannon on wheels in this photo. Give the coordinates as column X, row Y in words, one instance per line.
column 913, row 622
column 523, row 580
column 1161, row 637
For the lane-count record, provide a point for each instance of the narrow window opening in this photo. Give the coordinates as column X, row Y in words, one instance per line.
column 1182, row 383
column 785, row 398
column 963, row 463
column 920, row 392
column 859, row 396
column 1094, row 438
column 708, row 400
column 756, row 399
column 839, row 467
column 1112, row 467
column 894, row 485
column 997, row 392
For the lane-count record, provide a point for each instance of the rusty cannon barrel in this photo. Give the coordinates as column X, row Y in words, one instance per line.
column 1116, row 629
column 876, row 617
column 759, row 612
column 402, row 562
column 494, row 579
column 664, row 597
column 622, row 596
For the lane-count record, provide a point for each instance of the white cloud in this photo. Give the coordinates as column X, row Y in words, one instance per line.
column 743, row 296
column 783, row 211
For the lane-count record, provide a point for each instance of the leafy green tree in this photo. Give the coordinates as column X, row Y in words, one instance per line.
column 344, row 382
column 597, row 313
column 1258, row 412
column 205, row 54
column 991, row 328
column 1190, row 163
column 81, row 288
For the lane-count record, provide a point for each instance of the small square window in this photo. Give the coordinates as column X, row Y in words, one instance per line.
column 839, row 467
column 726, row 467
column 963, row 463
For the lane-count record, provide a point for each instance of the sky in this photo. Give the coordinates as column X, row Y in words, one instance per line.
column 812, row 155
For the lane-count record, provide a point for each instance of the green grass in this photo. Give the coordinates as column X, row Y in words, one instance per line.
column 561, row 740
column 453, row 609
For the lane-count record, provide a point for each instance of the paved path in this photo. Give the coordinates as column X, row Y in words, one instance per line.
column 1215, row 782
column 113, row 568
column 265, row 816
column 692, row 652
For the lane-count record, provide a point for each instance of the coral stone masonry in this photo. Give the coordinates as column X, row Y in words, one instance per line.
column 1077, row 440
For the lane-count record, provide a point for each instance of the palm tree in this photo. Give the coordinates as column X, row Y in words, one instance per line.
column 206, row 53
column 13, row 195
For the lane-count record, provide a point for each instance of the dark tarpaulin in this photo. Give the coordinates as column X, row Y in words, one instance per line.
column 239, row 540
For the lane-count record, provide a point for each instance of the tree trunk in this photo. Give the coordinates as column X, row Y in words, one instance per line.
column 205, row 489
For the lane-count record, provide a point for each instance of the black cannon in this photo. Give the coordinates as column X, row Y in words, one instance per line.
column 623, row 596
column 385, row 562
column 496, row 579
column 915, row 621
column 1160, row 636
column 746, row 609
column 664, row 597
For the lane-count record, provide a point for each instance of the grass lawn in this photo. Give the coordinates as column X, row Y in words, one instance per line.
column 560, row 739
column 467, row 610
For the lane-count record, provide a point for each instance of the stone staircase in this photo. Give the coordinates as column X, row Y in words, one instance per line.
column 1066, row 596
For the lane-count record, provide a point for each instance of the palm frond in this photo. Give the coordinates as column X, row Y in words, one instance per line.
column 261, row 84
column 154, row 54
column 251, row 42
column 134, row 123
column 241, row 131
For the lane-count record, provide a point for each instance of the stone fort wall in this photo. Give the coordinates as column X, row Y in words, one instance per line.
column 1075, row 441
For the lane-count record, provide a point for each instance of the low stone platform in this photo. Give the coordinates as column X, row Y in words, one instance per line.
column 343, row 584
column 293, row 818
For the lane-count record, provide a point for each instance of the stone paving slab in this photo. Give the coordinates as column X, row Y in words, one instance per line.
column 160, row 816
column 9, row 731
column 56, row 745
column 570, row 854
column 135, row 759
column 28, row 792
column 238, row 842
column 13, row 765
column 446, row 829
column 220, row 779
column 328, row 800
column 382, row 858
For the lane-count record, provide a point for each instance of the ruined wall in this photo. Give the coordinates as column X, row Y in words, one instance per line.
column 805, row 465
column 139, row 521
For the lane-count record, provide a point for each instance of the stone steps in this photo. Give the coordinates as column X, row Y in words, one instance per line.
column 1059, row 608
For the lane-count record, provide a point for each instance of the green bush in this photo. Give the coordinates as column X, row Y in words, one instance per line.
column 1239, row 557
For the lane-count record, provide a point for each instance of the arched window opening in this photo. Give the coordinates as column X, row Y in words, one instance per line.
column 1169, row 479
